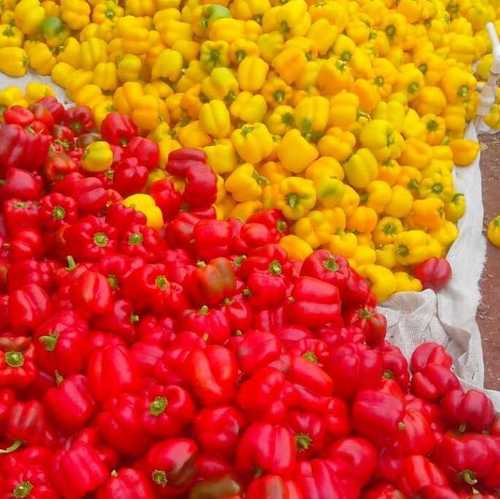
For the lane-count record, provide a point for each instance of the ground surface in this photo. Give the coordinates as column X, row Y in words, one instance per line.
column 489, row 311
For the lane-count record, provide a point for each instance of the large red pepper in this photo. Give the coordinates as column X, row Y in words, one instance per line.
column 120, row 424
column 415, row 435
column 90, row 437
column 169, row 464
column 166, row 410
column 27, row 243
column 354, row 367
column 117, row 268
column 260, row 258
column 111, row 371
column 209, row 323
column 61, row 343
column 395, row 365
column 273, row 487
column 128, row 176
column 309, row 431
column 315, row 303
column 120, row 319
column 419, row 473
column 329, row 268
column 91, row 294
column 58, row 165
column 70, row 404
column 372, row 323
column 433, row 382
column 256, row 350
column 126, row 483
column 224, row 487
column 269, row 320
column 305, row 372
column 118, row 129
column 266, row 448
column 179, row 232
column 146, row 356
column 88, row 192
column 210, row 283
column 357, row 291
column 383, row 491
column 18, row 115
column 267, row 289
column 17, row 363
column 28, row 306
column 218, row 429
column 20, row 215
column 28, row 481
column 124, row 217
column 337, row 419
column 145, row 150
column 56, row 210
column 79, row 119
column 238, row 312
column 64, row 138
column 156, row 330
column 212, row 374
column 274, row 220
column 434, row 273
column 252, row 235
column 20, row 184
column 468, row 411
column 376, row 415
column 429, row 353
column 54, row 107
column 166, row 197
column 78, row 471
column 212, row 239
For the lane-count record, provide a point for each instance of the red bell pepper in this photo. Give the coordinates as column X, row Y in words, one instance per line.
column 126, row 483
column 309, row 431
column 27, row 243
column 28, row 306
column 18, row 115
column 141, row 241
column 20, row 215
column 64, row 137
column 306, row 373
column 329, row 268
column 144, row 150
column 429, row 353
column 212, row 468
column 146, row 356
column 88, row 192
column 376, row 415
column 58, row 165
column 78, row 471
column 266, row 289
column 354, row 367
column 31, row 271
column 42, row 114
column 61, row 343
column 337, row 419
column 90, row 437
column 418, row 473
column 17, row 363
column 252, row 235
column 273, row 487
column 414, row 436
column 357, row 291
column 372, row 323
column 471, row 410
column 166, row 410
column 434, row 273
column 383, row 491
column 179, row 232
column 256, row 350
column 269, row 320
column 57, row 210
column 166, row 197
column 433, row 382
column 118, row 129
column 156, row 330
column 315, row 303
column 123, row 217
column 210, row 283
column 209, row 323
column 274, row 220
column 170, row 466
column 54, row 107
column 266, row 448
column 79, row 119
column 20, row 184
column 70, row 404
column 200, row 189
column 238, row 312
column 117, row 268
column 212, row 374
column 28, row 481
column 91, row 294
column 212, row 239
column 111, row 371
column 218, row 429
column 395, row 365
column 120, row 424
column 120, row 319
column 128, row 176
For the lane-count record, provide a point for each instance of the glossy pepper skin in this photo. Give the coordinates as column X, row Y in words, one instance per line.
column 434, row 273
column 28, row 306
column 273, row 487
column 419, row 473
column 126, row 483
column 372, row 323
column 79, row 119
column 17, row 367
column 118, row 129
column 88, row 192
column 91, row 294
column 322, row 264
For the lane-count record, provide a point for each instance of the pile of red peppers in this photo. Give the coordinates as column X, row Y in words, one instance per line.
column 198, row 361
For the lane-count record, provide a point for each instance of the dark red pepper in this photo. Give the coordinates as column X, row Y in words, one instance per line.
column 91, row 294
column 434, row 273
column 273, row 487
column 58, row 165
column 20, row 184
column 79, row 119
column 372, row 324
column 266, row 289
column 18, row 115
column 430, row 353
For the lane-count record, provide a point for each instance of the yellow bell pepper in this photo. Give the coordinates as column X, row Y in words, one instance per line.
column 435, row 127
column 214, row 54
column 92, row 52
column 337, row 143
column 368, row 94
column 249, row 9
column 458, row 84
column 454, row 117
column 252, row 73
column 295, row 152
column 70, row 52
column 215, row 119
column 416, row 153
column 362, row 220
column 295, row 247
column 273, row 171
column 379, row 195
column 296, row 197
column 276, row 92
column 492, row 119
column 384, row 75
column 386, row 256
column 193, row 135
column 166, row 146
column 311, row 116
column 431, row 64
column 51, row 8
column 98, row 157
column 293, row 18
column 409, row 80
column 314, row 229
column 427, row 214
column 386, row 230
column 350, row 200
column 135, row 37
column 334, row 76
column 323, row 34
column 221, row 84
column 172, row 31
column 344, row 109
column 415, row 246
column 36, row 91
column 493, row 231
column 280, row 120
column 105, row 76
column 382, row 280
column 406, row 282
column 455, row 208
column 10, row 36
column 389, row 171
column 392, row 111
column 168, row 65
column 89, row 95
column 324, row 167
column 430, row 100
column 28, row 16
column 221, row 156
column 146, row 205
column 290, row 63
column 75, row 13
column 13, row 61
column 245, row 184
column 249, row 108
column 40, row 57
column 413, row 126
column 140, row 7
column 336, row 218
column 343, row 244
column 446, row 234
column 438, row 185
column 401, row 202
column 106, row 11
column 464, row 151
column 243, row 211
column 191, row 102
column 253, row 142
column 330, row 191
column 361, row 169
column 380, row 137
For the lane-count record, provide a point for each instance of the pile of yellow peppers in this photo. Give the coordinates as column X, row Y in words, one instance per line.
column 347, row 115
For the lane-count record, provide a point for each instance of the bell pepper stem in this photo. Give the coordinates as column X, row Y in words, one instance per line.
column 12, row 447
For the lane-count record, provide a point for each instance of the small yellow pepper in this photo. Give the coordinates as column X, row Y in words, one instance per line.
column 146, row 205
column 13, row 61
column 493, row 231
column 379, row 195
column 193, row 135
column 454, row 117
column 168, row 65
column 129, row 68
column 290, row 64
column 315, row 228
column 415, row 246
column 337, row 143
column 221, row 84
column 245, row 184
column 455, row 208
column 343, row 244
column 361, row 169
column 458, row 84
column 98, row 157
column 435, row 127
column 386, row 230
column 363, row 255
column 252, row 73
column 70, row 52
column 334, row 76
column 392, row 111
column 362, row 220
column 406, row 282
column 430, row 100
column 243, row 211
column 381, row 138
column 214, row 54
column 106, row 11
column 427, row 214
column 75, row 13
column 336, row 218
column 311, row 116
column 36, row 91
column 167, row 145
column 464, row 151
column 221, row 156
column 28, row 16
column 389, row 171
column 446, row 234
column 280, row 120
column 296, row 197
column 105, row 76
column 344, row 109
column 253, row 142
column 10, row 36
column 416, row 153
column 401, row 202
column 92, row 52
column 324, row 167
column 330, row 191
column 249, row 108
column 295, row 247
column 386, row 256
column 215, row 119
column 382, row 280
column 295, row 152
column 437, row 185
column 40, row 57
